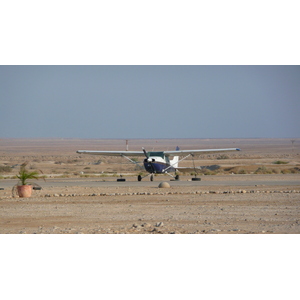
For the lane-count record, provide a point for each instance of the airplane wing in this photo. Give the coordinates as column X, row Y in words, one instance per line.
column 167, row 153
column 112, row 153
column 199, row 151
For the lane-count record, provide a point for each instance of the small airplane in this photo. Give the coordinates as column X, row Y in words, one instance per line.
column 158, row 162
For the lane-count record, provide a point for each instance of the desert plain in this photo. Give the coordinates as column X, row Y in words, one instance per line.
column 252, row 191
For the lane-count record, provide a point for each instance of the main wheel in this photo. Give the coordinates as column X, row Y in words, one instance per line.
column 151, row 177
column 139, row 178
column 177, row 177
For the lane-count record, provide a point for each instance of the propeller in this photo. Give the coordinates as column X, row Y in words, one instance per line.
column 149, row 162
column 146, row 154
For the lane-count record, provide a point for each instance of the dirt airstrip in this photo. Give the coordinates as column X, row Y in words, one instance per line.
column 256, row 190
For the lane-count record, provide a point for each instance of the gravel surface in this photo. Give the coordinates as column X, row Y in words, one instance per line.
column 197, row 209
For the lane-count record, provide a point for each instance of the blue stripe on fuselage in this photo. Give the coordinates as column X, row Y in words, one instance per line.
column 158, row 167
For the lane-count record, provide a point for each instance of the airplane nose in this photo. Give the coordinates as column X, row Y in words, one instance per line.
column 150, row 160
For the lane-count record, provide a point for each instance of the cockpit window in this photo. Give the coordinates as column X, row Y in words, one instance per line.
column 159, row 154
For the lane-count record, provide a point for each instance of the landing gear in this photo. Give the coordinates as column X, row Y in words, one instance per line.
column 173, row 177
column 196, row 173
column 140, row 177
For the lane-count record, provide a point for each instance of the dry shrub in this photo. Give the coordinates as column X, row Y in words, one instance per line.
column 291, row 171
column 263, row 170
column 242, row 171
column 280, row 162
column 223, row 156
column 5, row 169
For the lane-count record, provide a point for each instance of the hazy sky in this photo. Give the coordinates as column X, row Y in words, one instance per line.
column 149, row 101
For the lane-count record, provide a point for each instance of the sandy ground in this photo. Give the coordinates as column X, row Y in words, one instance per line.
column 196, row 209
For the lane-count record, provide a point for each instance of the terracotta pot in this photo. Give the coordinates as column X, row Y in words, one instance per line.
column 24, row 191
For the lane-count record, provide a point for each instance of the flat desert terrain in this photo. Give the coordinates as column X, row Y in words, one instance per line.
column 256, row 190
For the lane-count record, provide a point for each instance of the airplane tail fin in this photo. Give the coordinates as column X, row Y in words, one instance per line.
column 174, row 161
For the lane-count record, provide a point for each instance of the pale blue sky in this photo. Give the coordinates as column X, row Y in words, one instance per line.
column 149, row 101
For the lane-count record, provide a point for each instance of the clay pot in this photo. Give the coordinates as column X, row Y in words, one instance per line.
column 24, row 191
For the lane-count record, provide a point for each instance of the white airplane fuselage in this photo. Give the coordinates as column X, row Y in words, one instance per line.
column 158, row 163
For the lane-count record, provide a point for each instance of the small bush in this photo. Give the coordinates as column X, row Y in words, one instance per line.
column 242, row 171
column 263, row 170
column 208, row 172
column 72, row 161
column 5, row 169
column 223, row 156
column 290, row 171
column 280, row 162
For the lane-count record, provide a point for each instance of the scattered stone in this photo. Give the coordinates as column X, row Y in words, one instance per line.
column 137, row 226
column 159, row 224
column 146, row 225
